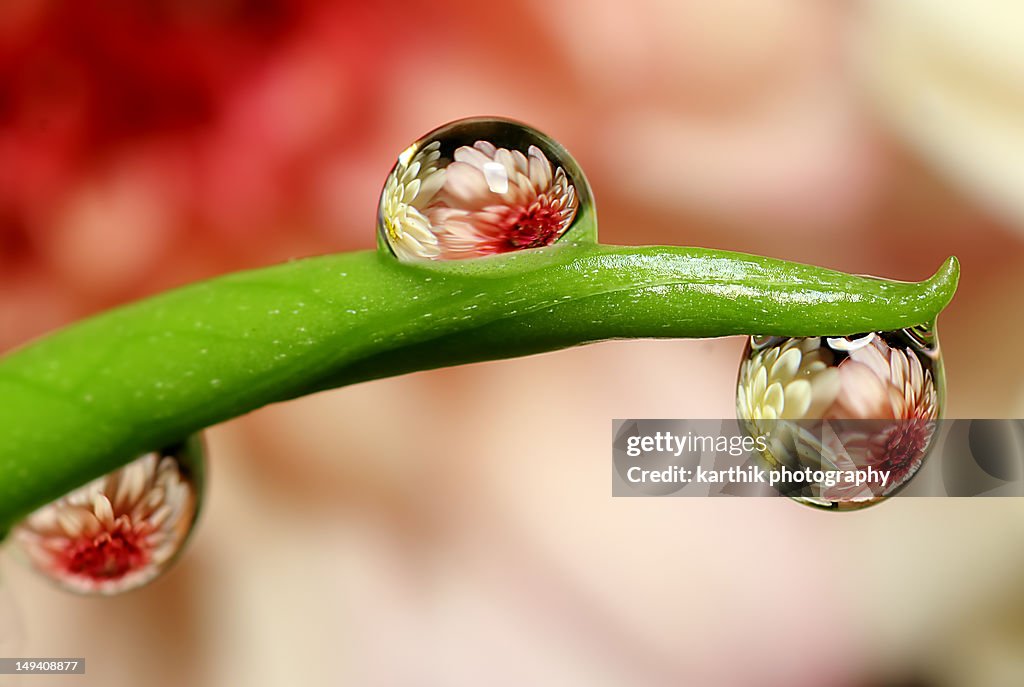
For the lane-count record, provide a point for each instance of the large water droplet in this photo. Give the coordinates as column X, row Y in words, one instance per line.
column 478, row 187
column 833, row 407
column 120, row 531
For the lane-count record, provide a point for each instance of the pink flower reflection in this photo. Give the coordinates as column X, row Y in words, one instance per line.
column 115, row 533
column 487, row 200
column 878, row 400
column 879, row 382
column 495, row 200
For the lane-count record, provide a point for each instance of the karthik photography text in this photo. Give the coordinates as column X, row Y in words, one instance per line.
column 754, row 474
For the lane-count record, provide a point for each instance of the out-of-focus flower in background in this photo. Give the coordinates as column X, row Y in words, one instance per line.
column 11, row 633
column 147, row 144
column 950, row 79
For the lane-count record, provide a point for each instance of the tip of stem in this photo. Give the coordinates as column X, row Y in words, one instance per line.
column 944, row 282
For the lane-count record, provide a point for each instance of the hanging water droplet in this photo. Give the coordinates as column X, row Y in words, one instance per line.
column 839, row 406
column 120, row 531
column 478, row 187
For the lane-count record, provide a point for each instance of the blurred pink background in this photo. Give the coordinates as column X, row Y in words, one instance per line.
column 146, row 145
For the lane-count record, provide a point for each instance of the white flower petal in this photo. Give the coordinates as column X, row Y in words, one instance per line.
column 775, row 398
column 785, row 368
column 539, row 169
column 798, row 395
column 103, row 510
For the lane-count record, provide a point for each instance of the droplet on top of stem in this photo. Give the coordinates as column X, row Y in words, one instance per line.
column 844, row 404
column 478, row 187
column 121, row 531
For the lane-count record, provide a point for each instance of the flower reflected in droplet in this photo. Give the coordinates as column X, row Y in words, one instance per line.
column 115, row 533
column 467, row 195
column 885, row 383
column 792, row 381
column 496, row 200
column 410, row 187
column 877, row 402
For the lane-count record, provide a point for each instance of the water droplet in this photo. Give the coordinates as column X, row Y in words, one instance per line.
column 478, row 187
column 121, row 531
column 843, row 406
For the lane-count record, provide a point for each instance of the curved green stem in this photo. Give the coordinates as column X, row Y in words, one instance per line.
column 87, row 399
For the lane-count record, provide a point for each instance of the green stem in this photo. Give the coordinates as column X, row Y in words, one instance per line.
column 89, row 398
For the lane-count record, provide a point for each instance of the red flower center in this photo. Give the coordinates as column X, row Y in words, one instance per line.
column 904, row 446
column 533, row 227
column 107, row 556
